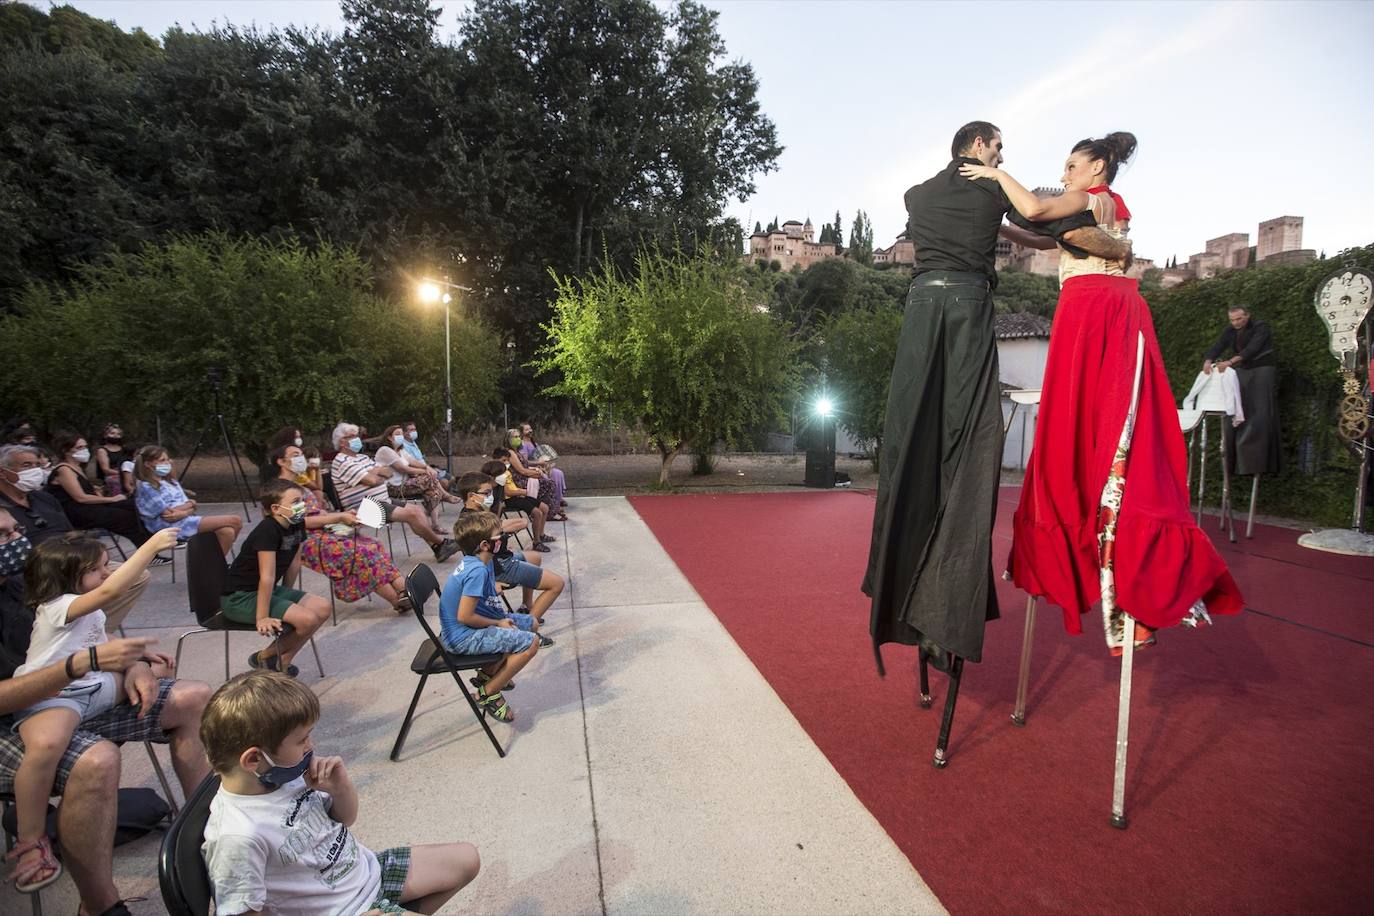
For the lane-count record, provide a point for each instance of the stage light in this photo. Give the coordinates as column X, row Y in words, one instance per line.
column 824, row 407
column 429, row 292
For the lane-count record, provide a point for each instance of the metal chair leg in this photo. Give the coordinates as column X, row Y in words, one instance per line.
column 410, row 714
column 1228, row 519
column 161, row 777
column 177, row 673
column 956, row 672
column 1254, row 498
column 226, row 655
column 1123, row 724
column 318, row 664
column 478, row 711
column 1018, row 715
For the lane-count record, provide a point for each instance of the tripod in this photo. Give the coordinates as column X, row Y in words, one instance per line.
column 235, row 468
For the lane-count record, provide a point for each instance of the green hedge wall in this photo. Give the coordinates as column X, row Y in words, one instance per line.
column 1318, row 481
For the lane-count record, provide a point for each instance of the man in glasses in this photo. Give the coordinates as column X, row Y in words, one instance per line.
column 88, row 774
column 22, row 478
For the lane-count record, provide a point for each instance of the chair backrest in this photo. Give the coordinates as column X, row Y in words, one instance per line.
column 421, row 586
column 206, row 572
column 180, row 867
column 331, row 492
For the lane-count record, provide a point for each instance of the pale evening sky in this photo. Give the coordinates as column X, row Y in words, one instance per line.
column 1244, row 110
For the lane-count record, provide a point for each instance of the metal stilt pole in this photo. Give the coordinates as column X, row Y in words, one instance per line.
column 1228, row 518
column 1192, row 441
column 1254, row 498
column 1202, row 469
column 925, row 680
column 1018, row 715
column 956, row 671
column 1123, row 724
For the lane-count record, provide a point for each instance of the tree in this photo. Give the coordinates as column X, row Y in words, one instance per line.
column 860, row 348
column 861, row 239
column 1022, row 291
column 827, row 234
column 839, row 236
column 758, row 227
column 679, row 345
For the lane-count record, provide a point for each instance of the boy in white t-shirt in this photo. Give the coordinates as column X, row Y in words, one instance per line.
column 277, row 840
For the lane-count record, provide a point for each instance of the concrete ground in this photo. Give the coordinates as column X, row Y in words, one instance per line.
column 650, row 769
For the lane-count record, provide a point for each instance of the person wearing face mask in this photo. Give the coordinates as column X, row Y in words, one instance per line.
column 412, row 479
column 162, row 503
column 511, row 495
column 356, row 564
column 278, row 840
column 511, row 567
column 83, row 506
column 543, row 457
column 358, row 477
column 251, row 593
column 109, row 455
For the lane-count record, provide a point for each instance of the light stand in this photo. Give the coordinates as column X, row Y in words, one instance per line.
column 217, row 419
column 430, row 292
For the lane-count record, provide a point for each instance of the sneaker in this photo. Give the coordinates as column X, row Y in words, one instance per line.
column 544, row 641
column 271, row 663
column 445, row 549
column 160, row 560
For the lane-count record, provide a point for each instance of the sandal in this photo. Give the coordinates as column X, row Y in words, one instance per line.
column 547, row 539
column 403, row 604
column 482, row 679
column 494, row 705
column 25, row 877
column 542, row 548
column 559, row 517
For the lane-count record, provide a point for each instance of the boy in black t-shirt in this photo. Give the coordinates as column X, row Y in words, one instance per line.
column 268, row 556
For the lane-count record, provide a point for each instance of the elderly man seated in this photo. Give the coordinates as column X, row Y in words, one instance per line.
column 22, row 478
column 88, row 774
column 358, row 477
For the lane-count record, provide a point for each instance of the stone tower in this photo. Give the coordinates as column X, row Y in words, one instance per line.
column 1283, row 233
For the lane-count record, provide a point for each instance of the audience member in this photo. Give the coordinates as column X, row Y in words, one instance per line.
column 473, row 621
column 357, row 565
column 511, row 566
column 530, row 452
column 413, row 449
column 109, row 455
column 271, row 554
column 412, row 479
column 40, row 517
column 516, row 489
column 66, row 581
column 87, row 775
column 358, row 477
column 18, row 431
column 162, row 503
column 278, row 840
column 84, row 507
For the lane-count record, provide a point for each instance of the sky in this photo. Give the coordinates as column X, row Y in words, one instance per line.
column 1244, row 111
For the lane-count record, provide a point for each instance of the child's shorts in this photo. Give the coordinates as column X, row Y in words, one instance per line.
column 242, row 607
column 395, row 863
column 503, row 640
column 87, row 699
column 515, row 571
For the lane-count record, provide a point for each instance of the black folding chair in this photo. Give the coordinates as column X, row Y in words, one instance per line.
column 331, row 493
column 180, row 867
column 433, row 658
column 206, row 572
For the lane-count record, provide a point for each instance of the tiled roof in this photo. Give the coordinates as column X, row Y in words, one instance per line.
column 1013, row 325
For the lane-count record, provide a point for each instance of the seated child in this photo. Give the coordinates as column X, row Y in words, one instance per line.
column 271, row 554
column 473, row 621
column 277, row 839
column 512, row 496
column 511, row 567
column 162, row 503
column 66, row 581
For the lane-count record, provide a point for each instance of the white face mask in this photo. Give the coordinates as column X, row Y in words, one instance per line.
column 314, row 462
column 81, row 456
column 296, row 441
column 298, row 464
column 31, row 479
column 502, row 479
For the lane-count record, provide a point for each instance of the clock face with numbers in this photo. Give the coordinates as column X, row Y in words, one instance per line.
column 1343, row 300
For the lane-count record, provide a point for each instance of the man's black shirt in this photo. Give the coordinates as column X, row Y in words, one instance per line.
column 1254, row 343
column 42, row 518
column 954, row 220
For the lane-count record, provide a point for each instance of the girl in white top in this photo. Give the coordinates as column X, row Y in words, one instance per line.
column 66, row 581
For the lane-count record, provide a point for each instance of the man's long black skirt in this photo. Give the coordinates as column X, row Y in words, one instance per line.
column 930, row 561
column 1256, row 446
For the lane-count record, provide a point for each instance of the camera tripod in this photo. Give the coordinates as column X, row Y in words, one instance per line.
column 235, row 468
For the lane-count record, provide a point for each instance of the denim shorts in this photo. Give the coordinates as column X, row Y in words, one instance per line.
column 501, row 640
column 514, row 570
column 87, row 700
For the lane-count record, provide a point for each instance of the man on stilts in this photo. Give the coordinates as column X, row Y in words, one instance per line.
column 930, row 562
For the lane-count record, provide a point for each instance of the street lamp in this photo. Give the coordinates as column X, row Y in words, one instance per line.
column 435, row 291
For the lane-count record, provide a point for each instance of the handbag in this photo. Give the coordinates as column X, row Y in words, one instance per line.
column 138, row 812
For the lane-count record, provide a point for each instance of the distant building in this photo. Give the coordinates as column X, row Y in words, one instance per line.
column 901, row 251
column 1280, row 242
column 792, row 245
column 1023, row 345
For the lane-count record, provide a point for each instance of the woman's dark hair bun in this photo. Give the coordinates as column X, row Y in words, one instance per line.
column 1122, row 145
column 1113, row 149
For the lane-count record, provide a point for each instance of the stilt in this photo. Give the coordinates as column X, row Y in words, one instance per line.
column 1018, row 715
column 1123, row 723
column 1202, row 469
column 956, row 671
column 1254, row 498
column 1228, row 518
column 925, row 679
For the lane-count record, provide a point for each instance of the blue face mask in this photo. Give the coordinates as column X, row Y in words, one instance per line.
column 277, row 776
column 355, row 444
column 162, row 469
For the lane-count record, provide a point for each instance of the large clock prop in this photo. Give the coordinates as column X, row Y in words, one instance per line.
column 1343, row 303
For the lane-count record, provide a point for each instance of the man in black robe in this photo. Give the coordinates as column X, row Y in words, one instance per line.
column 1254, row 448
column 930, row 561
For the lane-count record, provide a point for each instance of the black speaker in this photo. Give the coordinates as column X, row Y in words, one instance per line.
column 820, row 456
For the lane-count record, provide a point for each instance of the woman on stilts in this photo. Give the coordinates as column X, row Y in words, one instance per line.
column 1107, row 416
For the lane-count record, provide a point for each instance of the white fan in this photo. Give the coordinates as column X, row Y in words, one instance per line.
column 370, row 513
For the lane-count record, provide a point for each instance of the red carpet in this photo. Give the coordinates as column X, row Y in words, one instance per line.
column 1251, row 752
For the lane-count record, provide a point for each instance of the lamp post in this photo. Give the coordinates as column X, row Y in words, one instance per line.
column 433, row 291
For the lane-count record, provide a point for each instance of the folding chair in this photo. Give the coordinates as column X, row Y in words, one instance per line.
column 433, row 658
column 181, row 869
column 519, row 513
column 331, row 493
column 205, row 575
